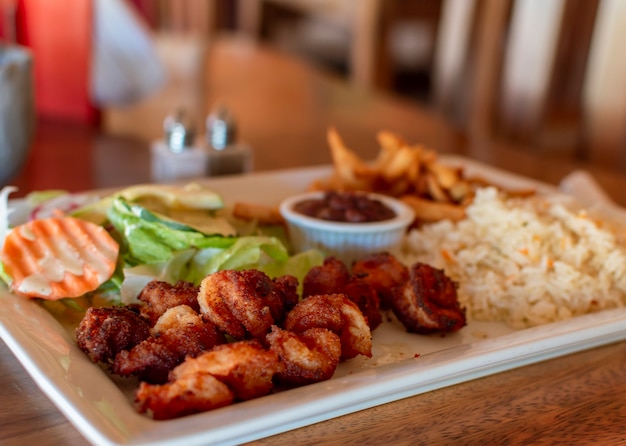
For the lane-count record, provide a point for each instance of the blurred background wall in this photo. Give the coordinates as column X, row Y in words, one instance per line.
column 547, row 73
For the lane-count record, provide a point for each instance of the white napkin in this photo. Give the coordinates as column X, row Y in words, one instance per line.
column 582, row 185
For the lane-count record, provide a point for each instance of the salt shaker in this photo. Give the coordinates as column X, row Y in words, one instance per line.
column 176, row 157
column 226, row 155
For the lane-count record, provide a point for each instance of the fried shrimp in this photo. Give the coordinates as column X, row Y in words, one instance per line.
column 245, row 304
column 245, row 366
column 333, row 277
column 238, row 371
column 308, row 357
column 337, row 313
column 158, row 296
column 428, row 302
column 382, row 272
column 329, row 278
column 104, row 332
column 198, row 393
column 178, row 333
column 365, row 297
column 283, row 297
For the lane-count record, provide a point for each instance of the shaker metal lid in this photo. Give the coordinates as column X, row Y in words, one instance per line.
column 179, row 131
column 220, row 129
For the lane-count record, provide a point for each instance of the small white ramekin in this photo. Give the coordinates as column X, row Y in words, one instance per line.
column 346, row 241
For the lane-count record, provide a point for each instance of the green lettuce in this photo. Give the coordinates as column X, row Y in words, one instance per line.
column 147, row 237
column 157, row 247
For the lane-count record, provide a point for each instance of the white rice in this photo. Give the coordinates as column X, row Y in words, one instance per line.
column 525, row 261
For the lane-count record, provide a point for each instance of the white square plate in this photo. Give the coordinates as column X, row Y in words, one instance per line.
column 403, row 364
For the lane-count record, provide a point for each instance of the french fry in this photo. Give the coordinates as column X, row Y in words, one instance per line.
column 421, row 186
column 389, row 144
column 389, row 141
column 319, row 185
column 400, row 163
column 434, row 188
column 398, row 188
column 344, row 157
column 460, row 191
column 429, row 157
column 427, row 211
column 352, row 172
column 446, row 176
column 414, row 172
column 262, row 214
column 436, row 191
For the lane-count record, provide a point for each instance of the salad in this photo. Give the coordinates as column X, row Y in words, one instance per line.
column 169, row 233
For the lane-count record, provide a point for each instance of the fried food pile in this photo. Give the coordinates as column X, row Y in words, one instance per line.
column 241, row 335
column 434, row 190
column 423, row 298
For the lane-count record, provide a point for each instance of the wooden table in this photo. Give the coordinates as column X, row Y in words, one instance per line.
column 284, row 108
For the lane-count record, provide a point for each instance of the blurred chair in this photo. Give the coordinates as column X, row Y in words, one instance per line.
column 514, row 68
column 548, row 74
column 542, row 73
column 198, row 17
column 604, row 91
column 366, row 38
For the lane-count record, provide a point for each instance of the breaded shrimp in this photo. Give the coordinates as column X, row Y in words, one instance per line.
column 158, row 296
column 329, row 278
column 428, row 302
column 337, row 313
column 238, row 371
column 333, row 277
column 245, row 304
column 104, row 332
column 365, row 297
column 382, row 272
column 308, row 357
column 197, row 393
column 178, row 333
column 245, row 366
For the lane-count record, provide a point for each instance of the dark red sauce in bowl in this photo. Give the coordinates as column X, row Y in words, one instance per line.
column 348, row 207
column 347, row 225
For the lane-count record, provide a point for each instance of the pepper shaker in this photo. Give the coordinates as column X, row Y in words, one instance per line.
column 176, row 157
column 226, row 155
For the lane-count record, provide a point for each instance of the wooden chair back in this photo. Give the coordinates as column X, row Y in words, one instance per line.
column 514, row 68
column 366, row 25
column 604, row 91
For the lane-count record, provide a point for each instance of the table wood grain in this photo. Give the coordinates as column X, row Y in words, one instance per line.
column 284, row 107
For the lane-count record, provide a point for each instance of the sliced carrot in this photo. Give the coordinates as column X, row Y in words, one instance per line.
column 58, row 257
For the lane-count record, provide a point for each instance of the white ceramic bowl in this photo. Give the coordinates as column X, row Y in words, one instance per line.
column 346, row 241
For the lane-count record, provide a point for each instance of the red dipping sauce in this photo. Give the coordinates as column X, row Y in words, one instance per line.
column 347, row 207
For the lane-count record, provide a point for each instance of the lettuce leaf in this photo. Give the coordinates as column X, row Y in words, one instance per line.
column 246, row 252
column 148, row 238
column 157, row 247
